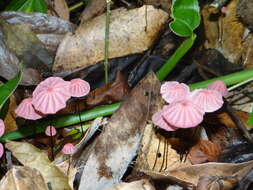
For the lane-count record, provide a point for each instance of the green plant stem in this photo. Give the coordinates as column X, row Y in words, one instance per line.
column 177, row 55
column 75, row 6
column 61, row 122
column 107, row 36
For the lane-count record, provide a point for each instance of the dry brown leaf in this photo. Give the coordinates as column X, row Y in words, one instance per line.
column 157, row 154
column 127, row 36
column 60, row 9
column 192, row 174
column 32, row 157
column 120, row 140
column 143, row 184
column 216, row 183
column 93, row 8
column 10, row 119
column 204, row 151
column 109, row 93
column 23, row 178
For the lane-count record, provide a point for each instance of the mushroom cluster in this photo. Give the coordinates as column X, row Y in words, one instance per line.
column 186, row 109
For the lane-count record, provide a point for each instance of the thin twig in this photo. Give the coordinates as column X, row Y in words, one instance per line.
column 107, row 33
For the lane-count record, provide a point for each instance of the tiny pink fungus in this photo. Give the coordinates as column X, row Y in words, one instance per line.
column 224, row 10
column 68, row 149
column 79, row 88
column 1, row 150
column 2, row 127
column 26, row 110
column 183, row 114
column 51, row 95
column 50, row 131
column 174, row 91
column 208, row 100
column 219, row 86
column 160, row 122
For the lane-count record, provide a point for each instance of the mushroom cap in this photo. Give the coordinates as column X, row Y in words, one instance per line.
column 219, row 86
column 174, row 91
column 50, row 131
column 68, row 149
column 160, row 122
column 26, row 110
column 2, row 127
column 51, row 95
column 183, row 114
column 208, row 100
column 1, row 150
column 79, row 88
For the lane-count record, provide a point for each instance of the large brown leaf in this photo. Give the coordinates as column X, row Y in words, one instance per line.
column 120, row 140
column 127, row 36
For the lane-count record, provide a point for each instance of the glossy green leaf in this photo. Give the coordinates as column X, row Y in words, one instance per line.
column 27, row 6
column 4, row 110
column 8, row 88
column 186, row 17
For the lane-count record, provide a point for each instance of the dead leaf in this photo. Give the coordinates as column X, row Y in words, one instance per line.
column 143, row 184
column 216, row 183
column 22, row 178
column 127, row 36
column 60, row 9
column 92, row 9
column 120, row 140
column 49, row 29
column 10, row 119
column 204, row 151
column 157, row 153
column 109, row 93
column 192, row 174
column 32, row 157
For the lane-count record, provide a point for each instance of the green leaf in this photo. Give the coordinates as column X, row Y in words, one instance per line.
column 186, row 17
column 250, row 120
column 4, row 110
column 8, row 88
column 27, row 6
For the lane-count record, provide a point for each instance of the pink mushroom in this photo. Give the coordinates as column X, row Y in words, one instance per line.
column 51, row 95
column 183, row 114
column 219, row 86
column 50, row 131
column 160, row 122
column 208, row 100
column 26, row 110
column 174, row 91
column 79, row 88
column 2, row 127
column 68, row 149
column 1, row 150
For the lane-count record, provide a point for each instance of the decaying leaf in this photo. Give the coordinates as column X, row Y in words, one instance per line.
column 120, row 140
column 192, row 174
column 49, row 29
column 216, row 183
column 32, row 157
column 127, row 36
column 112, row 92
column 157, row 153
column 60, row 9
column 23, row 178
column 10, row 122
column 204, row 151
column 143, row 184
column 92, row 9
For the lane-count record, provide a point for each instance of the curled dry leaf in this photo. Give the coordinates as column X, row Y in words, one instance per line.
column 92, row 9
column 127, row 36
column 192, row 174
column 117, row 146
column 109, row 93
column 143, row 184
column 60, row 9
column 23, row 178
column 32, row 157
